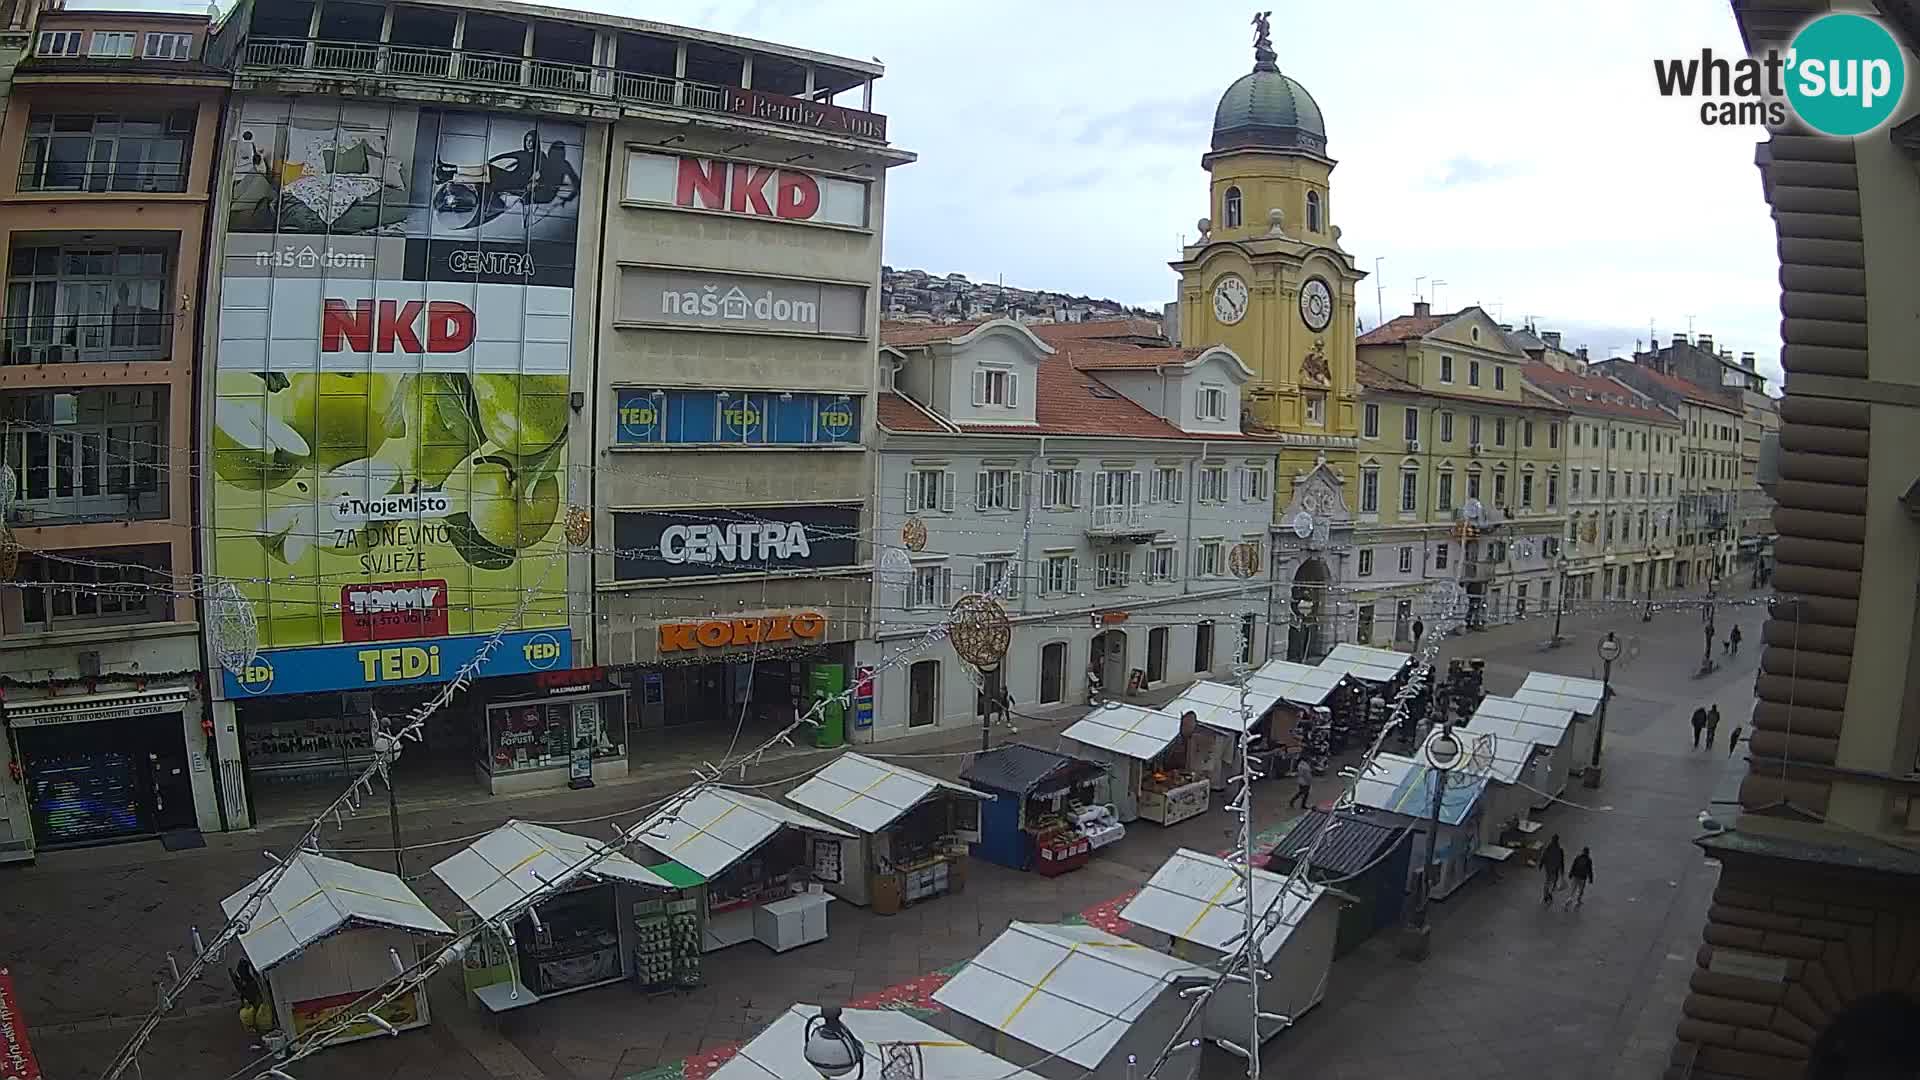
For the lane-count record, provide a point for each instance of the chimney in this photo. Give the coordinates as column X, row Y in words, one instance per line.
column 1746, row 360
column 1506, row 328
column 1582, row 351
column 1552, row 338
column 1705, row 343
column 1170, row 321
column 1679, row 340
column 1422, row 309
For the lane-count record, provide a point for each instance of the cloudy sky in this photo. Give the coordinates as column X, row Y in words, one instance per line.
column 1515, row 149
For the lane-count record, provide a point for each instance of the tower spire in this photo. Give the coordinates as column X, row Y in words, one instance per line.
column 1264, row 58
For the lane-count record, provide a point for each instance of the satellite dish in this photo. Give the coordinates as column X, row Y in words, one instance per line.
column 1303, row 525
column 1471, row 510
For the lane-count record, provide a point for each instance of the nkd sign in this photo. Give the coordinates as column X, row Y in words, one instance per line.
column 736, row 302
column 745, row 188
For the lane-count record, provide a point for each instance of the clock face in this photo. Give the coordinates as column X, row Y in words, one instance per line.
column 1230, row 300
column 1316, row 304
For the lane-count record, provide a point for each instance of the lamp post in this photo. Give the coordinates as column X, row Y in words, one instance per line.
column 1706, row 618
column 1560, row 606
column 1609, row 652
column 1647, row 614
column 1442, row 753
column 831, row 1048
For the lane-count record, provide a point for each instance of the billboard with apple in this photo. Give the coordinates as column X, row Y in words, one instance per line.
column 389, row 438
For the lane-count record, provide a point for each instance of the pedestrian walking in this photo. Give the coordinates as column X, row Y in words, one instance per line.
column 1553, row 863
column 1699, row 725
column 1733, row 740
column 1713, row 723
column 1733, row 638
column 1303, row 776
column 1579, row 876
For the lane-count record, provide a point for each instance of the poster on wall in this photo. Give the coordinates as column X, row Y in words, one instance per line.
column 393, row 373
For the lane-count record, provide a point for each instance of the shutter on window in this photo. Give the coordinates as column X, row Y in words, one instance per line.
column 946, row 489
column 946, row 586
column 913, row 492
column 1133, row 489
column 1073, row 575
column 1014, row 483
column 1013, row 578
column 1013, row 390
column 982, row 491
column 979, row 386
column 1078, row 493
column 981, row 578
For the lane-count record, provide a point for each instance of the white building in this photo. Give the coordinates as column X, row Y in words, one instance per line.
column 1104, row 481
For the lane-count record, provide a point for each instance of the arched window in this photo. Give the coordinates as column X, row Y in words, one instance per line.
column 1313, row 211
column 1232, row 210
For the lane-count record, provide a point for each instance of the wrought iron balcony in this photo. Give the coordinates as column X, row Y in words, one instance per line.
column 1121, row 523
column 467, row 68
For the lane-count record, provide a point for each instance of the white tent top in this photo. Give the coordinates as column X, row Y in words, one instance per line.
column 1302, row 684
column 521, row 859
column 1217, row 705
column 777, row 1053
column 1550, row 723
column 1401, row 785
column 869, row 795
column 1068, row 990
column 1562, row 691
column 1365, row 662
column 717, row 828
column 1141, row 734
column 1513, row 745
column 316, row 896
column 1188, row 898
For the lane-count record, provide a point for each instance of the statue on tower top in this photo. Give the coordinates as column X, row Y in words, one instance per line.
column 1264, row 58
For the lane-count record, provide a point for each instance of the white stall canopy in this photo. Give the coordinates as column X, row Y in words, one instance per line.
column 778, row 1052
column 1218, row 705
column 1520, row 728
column 1562, row 691
column 317, row 896
column 1366, row 663
column 1546, row 725
column 1070, row 991
column 1196, row 897
column 861, row 793
column 717, row 828
column 1400, row 785
column 1302, row 684
column 1127, row 730
column 519, row 860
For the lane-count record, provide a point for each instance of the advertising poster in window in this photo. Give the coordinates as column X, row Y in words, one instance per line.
column 390, row 428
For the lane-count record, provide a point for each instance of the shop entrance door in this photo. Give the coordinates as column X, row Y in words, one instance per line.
column 923, row 693
column 90, row 783
column 1157, row 655
column 1053, row 673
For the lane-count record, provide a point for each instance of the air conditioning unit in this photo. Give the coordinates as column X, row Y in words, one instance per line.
column 1474, row 449
column 1413, row 446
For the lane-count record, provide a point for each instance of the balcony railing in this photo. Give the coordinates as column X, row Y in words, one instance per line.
column 580, row 80
column 83, row 339
column 1128, row 522
column 140, row 177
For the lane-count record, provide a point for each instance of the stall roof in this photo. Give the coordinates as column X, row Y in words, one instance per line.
column 1019, row 767
column 1141, row 734
column 1365, row 662
column 778, row 1052
column 1071, row 991
column 1189, row 896
column 1349, row 849
column 869, row 795
column 317, row 896
column 1302, row 684
column 1401, row 785
column 1512, row 745
column 1217, row 705
column 520, row 859
column 717, row 828
column 1548, row 723
column 1562, row 691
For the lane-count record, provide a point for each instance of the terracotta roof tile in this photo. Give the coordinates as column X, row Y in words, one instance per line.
column 1675, row 384
column 1068, row 402
column 1588, row 393
column 1404, row 328
column 1054, row 333
column 908, row 333
column 1373, row 378
column 1093, row 355
column 896, row 413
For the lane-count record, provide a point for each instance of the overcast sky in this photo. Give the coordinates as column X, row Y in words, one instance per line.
column 1515, row 149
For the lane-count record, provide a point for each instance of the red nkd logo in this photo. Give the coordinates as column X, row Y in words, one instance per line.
column 445, row 326
column 738, row 188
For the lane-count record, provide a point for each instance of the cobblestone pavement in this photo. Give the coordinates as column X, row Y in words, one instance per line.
column 1509, row 988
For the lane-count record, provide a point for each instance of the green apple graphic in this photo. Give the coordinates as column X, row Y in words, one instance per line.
column 503, row 507
column 437, row 422
column 344, row 416
column 253, row 448
column 522, row 414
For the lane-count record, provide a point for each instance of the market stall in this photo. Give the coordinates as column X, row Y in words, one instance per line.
column 1368, row 860
column 574, row 737
column 1145, row 751
column 1398, row 792
column 765, row 865
column 1547, row 727
column 911, row 830
column 1194, row 899
column 328, row 932
column 886, row 1036
column 591, row 922
column 1366, row 663
column 1578, row 696
column 1040, row 800
column 1222, row 712
column 1295, row 727
column 1070, row 1002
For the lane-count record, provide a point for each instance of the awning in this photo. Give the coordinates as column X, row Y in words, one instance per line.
column 86, row 708
column 870, row 795
column 1219, row 705
column 1302, row 684
column 1562, row 691
column 717, row 828
column 316, row 896
column 1127, row 730
column 1196, row 897
column 521, row 859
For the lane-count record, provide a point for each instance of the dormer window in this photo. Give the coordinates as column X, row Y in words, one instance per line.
column 1213, row 403
column 1231, row 211
column 996, row 386
column 1313, row 211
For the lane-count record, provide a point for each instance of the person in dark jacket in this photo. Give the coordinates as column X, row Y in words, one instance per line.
column 1733, row 640
column 1699, row 725
column 1713, row 724
column 1579, row 877
column 1553, row 863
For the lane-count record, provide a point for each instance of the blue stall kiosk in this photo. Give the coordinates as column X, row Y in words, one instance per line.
column 1031, row 824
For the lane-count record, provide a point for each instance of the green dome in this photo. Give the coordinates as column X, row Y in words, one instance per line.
column 1267, row 110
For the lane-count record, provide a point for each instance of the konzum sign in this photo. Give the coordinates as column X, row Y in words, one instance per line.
column 720, row 633
column 745, row 188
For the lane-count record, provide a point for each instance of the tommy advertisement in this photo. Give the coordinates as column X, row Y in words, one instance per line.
column 390, row 426
column 703, row 541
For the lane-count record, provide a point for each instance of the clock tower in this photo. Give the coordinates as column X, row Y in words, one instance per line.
column 1267, row 277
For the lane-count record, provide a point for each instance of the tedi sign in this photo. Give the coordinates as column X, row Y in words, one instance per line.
column 1843, row 75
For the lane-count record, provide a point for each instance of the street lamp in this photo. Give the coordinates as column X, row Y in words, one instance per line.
column 1560, row 608
column 1442, row 753
column 1609, row 652
column 831, row 1048
column 1647, row 615
column 1706, row 617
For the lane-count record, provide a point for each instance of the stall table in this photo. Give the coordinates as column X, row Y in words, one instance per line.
column 1030, row 823
column 911, row 829
column 1137, row 744
column 325, row 934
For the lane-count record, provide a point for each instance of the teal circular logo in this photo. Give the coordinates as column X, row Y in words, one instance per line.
column 1845, row 74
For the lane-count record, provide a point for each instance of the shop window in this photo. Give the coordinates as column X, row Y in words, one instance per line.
column 1203, row 648
column 1053, row 673
column 923, row 693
